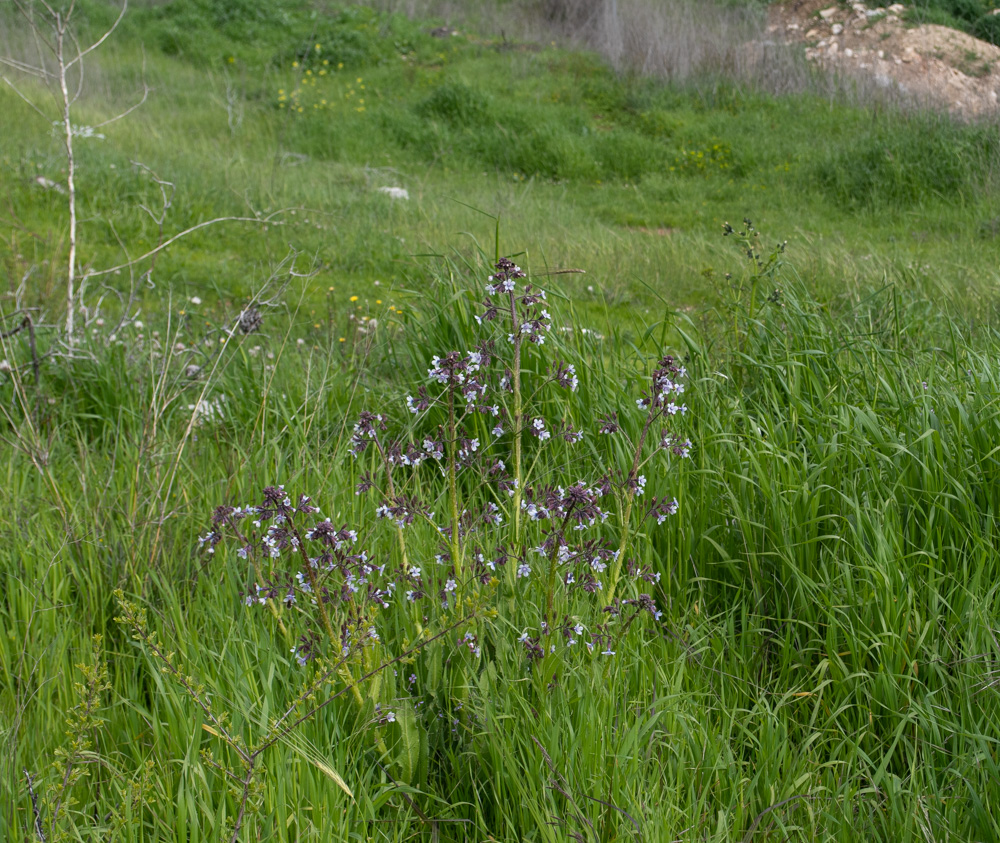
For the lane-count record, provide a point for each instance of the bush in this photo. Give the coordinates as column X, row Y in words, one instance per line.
column 921, row 160
column 973, row 16
column 456, row 103
column 988, row 28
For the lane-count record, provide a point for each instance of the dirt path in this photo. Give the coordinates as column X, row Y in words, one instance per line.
column 931, row 63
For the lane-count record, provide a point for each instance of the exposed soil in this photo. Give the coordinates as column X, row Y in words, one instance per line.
column 933, row 64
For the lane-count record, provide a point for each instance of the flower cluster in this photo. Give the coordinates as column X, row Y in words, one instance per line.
column 500, row 523
column 310, row 571
column 547, row 537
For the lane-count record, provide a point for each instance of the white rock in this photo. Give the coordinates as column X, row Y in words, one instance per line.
column 395, row 192
column 837, row 28
column 848, row 52
column 826, row 14
column 897, row 8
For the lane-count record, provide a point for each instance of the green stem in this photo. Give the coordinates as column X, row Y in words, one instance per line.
column 456, row 556
column 518, row 424
column 392, row 496
column 275, row 610
column 345, row 671
column 616, row 567
column 551, row 590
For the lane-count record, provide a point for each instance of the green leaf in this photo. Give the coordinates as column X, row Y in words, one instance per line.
column 408, row 747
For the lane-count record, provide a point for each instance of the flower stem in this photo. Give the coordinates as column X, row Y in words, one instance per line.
column 456, row 549
column 616, row 567
column 551, row 590
column 392, row 495
column 518, row 424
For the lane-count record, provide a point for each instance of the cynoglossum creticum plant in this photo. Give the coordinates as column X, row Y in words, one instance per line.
column 328, row 595
column 485, row 421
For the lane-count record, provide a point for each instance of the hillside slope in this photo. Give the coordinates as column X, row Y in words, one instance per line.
column 928, row 63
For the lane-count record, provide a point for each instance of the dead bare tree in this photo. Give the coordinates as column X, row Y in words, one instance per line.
column 59, row 63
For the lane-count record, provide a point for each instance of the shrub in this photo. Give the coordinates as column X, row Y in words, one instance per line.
column 912, row 163
column 988, row 28
column 458, row 104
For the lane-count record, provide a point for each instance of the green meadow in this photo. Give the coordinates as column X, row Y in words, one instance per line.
column 807, row 649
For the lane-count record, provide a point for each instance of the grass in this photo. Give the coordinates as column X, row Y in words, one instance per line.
column 825, row 663
column 531, row 135
column 972, row 16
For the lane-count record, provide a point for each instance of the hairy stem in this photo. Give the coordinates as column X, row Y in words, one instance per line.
column 345, row 671
column 515, row 327
column 456, row 548
column 551, row 589
column 275, row 610
column 616, row 567
column 392, row 496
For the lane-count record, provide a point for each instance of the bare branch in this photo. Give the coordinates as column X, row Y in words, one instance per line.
column 15, row 89
column 79, row 80
column 34, row 807
column 127, row 111
column 24, row 67
column 260, row 220
column 25, row 12
column 103, row 38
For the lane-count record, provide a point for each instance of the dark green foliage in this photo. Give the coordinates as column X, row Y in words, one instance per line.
column 458, row 104
column 909, row 163
column 206, row 31
column 988, row 28
column 210, row 31
column 973, row 16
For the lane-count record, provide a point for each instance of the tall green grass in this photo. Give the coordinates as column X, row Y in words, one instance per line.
column 588, row 168
column 823, row 669
column 825, row 665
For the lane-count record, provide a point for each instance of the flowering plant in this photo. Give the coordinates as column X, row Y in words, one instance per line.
column 465, row 517
column 511, row 527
